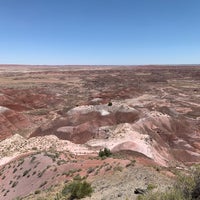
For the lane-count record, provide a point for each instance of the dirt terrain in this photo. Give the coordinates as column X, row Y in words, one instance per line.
column 55, row 119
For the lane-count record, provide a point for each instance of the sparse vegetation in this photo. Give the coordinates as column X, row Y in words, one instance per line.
column 32, row 159
column 53, row 156
column 132, row 163
column 77, row 189
column 14, row 184
column 72, row 171
column 78, row 177
column 187, row 187
column 34, row 173
column 61, row 162
column 118, row 168
column 26, row 172
column 37, row 192
column 43, row 184
column 151, row 186
column 14, row 170
column 20, row 162
column 90, row 170
column 39, row 112
column 169, row 195
column 40, row 174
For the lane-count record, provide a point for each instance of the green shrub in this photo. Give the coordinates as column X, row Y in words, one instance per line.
column 185, row 184
column 151, row 186
column 110, row 104
column 77, row 189
column 105, row 153
column 37, row 192
column 59, row 197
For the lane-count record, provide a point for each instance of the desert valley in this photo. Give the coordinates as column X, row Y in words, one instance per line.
column 54, row 121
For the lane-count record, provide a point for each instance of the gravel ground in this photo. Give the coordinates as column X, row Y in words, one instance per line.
column 121, row 185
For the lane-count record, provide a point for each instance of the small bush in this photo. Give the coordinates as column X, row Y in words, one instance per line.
column 43, row 184
column 110, row 104
column 151, row 186
column 14, row 184
column 26, row 172
column 77, row 189
column 34, row 173
column 32, row 159
column 105, row 153
column 40, row 174
column 37, row 192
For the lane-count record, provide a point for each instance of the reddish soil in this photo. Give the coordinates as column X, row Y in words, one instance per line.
column 10, row 122
column 41, row 171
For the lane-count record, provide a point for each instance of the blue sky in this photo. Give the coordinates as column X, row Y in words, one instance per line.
column 100, row 32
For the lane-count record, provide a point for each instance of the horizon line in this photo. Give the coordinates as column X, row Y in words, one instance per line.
column 18, row 64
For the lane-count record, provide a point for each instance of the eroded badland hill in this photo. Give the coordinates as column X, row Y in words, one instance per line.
column 54, row 120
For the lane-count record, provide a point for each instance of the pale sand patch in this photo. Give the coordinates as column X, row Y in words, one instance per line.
column 5, row 160
column 3, row 109
column 104, row 112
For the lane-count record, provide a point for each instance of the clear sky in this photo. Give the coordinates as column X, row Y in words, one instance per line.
column 100, row 31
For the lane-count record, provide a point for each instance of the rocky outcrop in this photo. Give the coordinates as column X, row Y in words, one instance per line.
column 160, row 136
column 82, row 123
